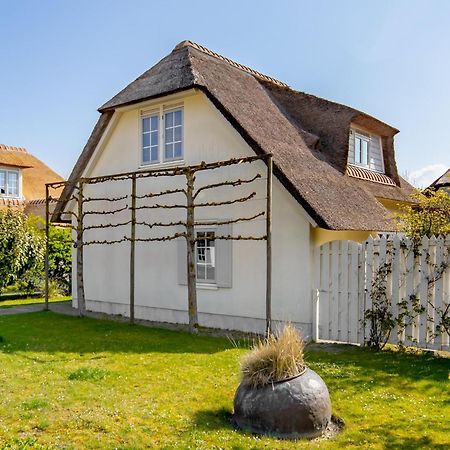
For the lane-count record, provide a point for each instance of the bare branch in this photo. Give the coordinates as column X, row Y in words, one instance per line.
column 229, row 237
column 161, row 206
column 161, row 224
column 159, row 239
column 103, row 225
column 228, row 202
column 105, row 199
column 105, row 242
column 227, row 183
column 158, row 194
column 226, row 222
column 105, row 212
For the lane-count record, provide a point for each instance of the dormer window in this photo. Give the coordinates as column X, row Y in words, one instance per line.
column 365, row 150
column 9, row 183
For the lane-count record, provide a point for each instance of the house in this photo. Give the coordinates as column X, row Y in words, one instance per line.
column 335, row 177
column 443, row 182
column 22, row 180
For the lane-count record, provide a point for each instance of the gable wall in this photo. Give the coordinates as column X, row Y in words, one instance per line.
column 209, row 137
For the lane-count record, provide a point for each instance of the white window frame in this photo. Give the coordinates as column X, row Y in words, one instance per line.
column 362, row 138
column 161, row 111
column 7, row 171
column 206, row 229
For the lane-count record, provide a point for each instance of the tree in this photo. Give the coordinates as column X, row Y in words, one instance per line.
column 430, row 215
column 22, row 247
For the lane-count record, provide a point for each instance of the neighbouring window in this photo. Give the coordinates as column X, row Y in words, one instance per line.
column 206, row 257
column 9, row 183
column 162, row 143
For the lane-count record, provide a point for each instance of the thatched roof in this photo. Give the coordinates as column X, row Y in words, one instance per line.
column 34, row 172
column 307, row 136
column 442, row 181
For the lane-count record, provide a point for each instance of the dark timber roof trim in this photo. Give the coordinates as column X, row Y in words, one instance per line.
column 308, row 136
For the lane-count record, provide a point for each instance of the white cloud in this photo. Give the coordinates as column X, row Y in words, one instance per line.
column 423, row 177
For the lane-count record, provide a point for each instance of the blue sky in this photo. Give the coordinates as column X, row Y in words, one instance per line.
column 62, row 59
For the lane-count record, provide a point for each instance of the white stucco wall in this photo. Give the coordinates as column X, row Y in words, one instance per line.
column 207, row 137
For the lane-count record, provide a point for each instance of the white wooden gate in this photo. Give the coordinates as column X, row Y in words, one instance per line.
column 344, row 276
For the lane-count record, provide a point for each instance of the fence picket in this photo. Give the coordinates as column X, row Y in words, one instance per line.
column 423, row 270
column 353, row 316
column 344, row 298
column 335, row 257
column 395, row 285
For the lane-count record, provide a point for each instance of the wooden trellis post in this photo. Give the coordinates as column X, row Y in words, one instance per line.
column 47, row 234
column 132, row 245
column 269, row 246
column 190, row 244
column 79, row 244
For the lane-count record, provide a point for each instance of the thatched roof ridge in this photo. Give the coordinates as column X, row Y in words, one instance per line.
column 307, row 136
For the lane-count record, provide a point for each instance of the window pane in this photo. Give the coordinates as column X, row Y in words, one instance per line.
column 146, row 140
column 177, row 118
column 364, row 152
column 177, row 150
column 357, row 150
column 169, row 135
column 154, row 123
column 154, row 138
column 177, row 135
column 146, row 154
column 13, row 184
column 154, row 154
column 2, row 182
column 146, row 124
column 169, row 119
column 169, row 151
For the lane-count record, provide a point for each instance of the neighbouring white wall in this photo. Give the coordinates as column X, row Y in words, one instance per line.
column 207, row 137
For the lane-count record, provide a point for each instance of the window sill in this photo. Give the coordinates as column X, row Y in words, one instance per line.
column 163, row 165
column 207, row 286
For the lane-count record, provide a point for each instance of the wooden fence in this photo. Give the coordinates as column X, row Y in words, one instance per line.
column 407, row 283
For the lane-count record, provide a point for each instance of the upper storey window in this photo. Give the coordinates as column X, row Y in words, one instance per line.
column 9, row 183
column 162, row 135
column 365, row 150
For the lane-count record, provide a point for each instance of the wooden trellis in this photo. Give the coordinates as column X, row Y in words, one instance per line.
column 189, row 224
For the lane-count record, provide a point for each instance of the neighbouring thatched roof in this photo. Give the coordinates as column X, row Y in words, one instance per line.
column 442, row 182
column 307, row 136
column 34, row 172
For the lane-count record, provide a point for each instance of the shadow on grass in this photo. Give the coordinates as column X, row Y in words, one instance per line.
column 214, row 419
column 54, row 333
column 358, row 366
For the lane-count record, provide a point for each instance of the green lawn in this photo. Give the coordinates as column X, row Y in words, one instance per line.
column 77, row 383
column 29, row 301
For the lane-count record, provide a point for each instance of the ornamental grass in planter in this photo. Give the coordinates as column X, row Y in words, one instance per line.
column 278, row 395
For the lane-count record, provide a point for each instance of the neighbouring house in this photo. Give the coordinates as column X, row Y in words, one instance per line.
column 443, row 183
column 335, row 177
column 22, row 180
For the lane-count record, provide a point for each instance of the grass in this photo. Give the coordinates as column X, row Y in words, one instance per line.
column 29, row 301
column 170, row 390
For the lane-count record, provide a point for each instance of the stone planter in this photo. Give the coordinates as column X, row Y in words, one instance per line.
column 292, row 408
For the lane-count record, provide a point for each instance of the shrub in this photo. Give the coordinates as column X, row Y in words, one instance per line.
column 274, row 358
